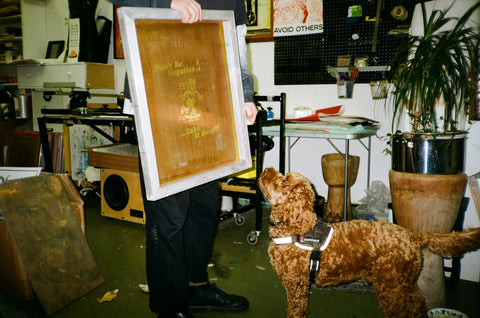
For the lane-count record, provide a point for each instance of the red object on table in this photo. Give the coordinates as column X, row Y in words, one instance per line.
column 329, row 111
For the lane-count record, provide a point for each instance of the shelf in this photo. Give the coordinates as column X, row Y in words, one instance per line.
column 379, row 68
column 11, row 44
column 11, row 39
column 11, row 19
column 5, row 22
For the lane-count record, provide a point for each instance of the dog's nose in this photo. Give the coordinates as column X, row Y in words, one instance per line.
column 265, row 172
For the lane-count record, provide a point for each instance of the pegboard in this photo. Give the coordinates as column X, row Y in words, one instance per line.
column 303, row 59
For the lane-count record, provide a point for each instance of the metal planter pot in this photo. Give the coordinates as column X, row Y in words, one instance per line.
column 422, row 153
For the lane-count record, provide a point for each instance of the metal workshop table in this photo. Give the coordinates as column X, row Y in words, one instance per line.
column 298, row 130
column 120, row 120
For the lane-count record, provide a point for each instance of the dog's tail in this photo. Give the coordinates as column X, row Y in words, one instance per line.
column 453, row 244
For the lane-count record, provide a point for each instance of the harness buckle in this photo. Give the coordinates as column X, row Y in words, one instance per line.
column 314, row 264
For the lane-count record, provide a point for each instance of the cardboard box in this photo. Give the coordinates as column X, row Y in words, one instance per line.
column 13, row 277
column 75, row 199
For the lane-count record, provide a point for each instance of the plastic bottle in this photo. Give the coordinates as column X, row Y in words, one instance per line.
column 269, row 113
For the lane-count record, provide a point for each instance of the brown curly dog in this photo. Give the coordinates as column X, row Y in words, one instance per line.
column 386, row 255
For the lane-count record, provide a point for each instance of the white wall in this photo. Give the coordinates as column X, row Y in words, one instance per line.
column 306, row 154
column 43, row 21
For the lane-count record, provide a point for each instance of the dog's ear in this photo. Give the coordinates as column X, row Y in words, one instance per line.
column 302, row 189
column 308, row 193
column 300, row 203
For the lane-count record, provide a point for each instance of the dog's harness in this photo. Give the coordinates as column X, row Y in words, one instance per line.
column 316, row 241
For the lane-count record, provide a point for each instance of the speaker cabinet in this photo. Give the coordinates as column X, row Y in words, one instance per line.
column 122, row 195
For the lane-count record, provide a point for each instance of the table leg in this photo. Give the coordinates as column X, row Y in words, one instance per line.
column 47, row 155
column 290, row 146
column 345, row 194
column 368, row 161
column 288, row 155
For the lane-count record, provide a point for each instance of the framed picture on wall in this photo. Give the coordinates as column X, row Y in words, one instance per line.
column 252, row 12
column 186, row 90
column 260, row 22
column 54, row 49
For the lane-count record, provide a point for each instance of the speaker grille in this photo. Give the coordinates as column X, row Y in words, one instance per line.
column 115, row 192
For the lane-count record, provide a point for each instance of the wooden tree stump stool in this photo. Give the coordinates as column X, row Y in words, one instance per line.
column 333, row 168
column 428, row 203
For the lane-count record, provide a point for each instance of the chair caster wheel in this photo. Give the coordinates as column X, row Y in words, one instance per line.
column 252, row 238
column 239, row 219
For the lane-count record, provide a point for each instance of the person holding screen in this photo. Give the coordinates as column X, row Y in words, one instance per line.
column 180, row 228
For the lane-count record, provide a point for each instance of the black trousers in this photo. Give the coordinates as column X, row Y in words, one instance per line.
column 179, row 233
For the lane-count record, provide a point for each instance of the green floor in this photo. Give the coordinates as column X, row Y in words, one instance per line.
column 236, row 266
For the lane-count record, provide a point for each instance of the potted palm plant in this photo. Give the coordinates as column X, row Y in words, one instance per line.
column 431, row 73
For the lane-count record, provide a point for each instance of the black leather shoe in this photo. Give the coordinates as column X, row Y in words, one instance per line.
column 184, row 315
column 179, row 315
column 210, row 297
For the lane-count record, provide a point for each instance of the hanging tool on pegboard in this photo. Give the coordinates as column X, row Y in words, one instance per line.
column 374, row 58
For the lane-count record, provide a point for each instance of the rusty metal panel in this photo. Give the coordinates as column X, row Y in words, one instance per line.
column 50, row 242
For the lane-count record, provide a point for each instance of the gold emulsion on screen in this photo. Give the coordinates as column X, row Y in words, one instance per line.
column 187, row 91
